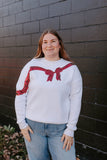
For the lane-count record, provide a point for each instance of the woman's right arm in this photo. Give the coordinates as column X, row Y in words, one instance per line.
column 21, row 98
column 20, row 101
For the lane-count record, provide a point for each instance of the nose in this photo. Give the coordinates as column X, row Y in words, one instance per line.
column 49, row 44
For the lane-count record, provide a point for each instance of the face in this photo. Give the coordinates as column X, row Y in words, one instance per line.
column 50, row 46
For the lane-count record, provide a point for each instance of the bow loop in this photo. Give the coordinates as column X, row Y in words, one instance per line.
column 50, row 73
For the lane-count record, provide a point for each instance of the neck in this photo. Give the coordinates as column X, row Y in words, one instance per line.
column 52, row 58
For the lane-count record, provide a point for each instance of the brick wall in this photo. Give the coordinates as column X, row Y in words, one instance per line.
column 82, row 25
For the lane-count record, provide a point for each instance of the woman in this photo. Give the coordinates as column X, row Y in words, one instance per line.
column 48, row 101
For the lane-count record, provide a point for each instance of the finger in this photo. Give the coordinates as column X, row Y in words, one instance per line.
column 72, row 142
column 30, row 130
column 27, row 136
column 63, row 137
column 67, row 146
column 65, row 143
column 28, row 139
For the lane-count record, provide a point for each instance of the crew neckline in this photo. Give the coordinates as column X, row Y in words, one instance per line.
column 48, row 61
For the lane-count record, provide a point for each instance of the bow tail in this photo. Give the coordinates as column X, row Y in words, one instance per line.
column 58, row 76
column 50, row 77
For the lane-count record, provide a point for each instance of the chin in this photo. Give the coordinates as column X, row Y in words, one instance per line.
column 50, row 54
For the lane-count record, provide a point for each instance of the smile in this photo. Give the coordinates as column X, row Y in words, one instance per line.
column 50, row 49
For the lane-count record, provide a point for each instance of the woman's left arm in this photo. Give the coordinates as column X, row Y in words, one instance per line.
column 75, row 97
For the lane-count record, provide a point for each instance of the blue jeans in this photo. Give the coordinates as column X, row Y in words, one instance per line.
column 46, row 142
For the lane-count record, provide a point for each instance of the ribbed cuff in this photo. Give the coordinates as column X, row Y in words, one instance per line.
column 22, row 124
column 69, row 132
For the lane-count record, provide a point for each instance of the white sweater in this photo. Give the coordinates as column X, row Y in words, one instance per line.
column 49, row 94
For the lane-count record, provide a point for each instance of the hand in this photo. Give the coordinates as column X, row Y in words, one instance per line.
column 25, row 133
column 68, row 142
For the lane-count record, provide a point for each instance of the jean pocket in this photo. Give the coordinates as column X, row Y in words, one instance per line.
column 37, row 127
column 58, row 129
column 30, row 123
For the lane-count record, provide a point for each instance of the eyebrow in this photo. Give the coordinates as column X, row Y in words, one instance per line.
column 51, row 39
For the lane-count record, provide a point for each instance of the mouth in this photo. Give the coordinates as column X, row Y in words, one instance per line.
column 49, row 49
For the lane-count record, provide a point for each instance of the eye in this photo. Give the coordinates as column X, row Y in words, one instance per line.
column 45, row 42
column 53, row 41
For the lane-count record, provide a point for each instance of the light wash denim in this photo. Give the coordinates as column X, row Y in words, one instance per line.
column 46, row 142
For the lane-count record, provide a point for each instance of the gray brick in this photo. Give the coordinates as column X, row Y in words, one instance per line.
column 4, row 11
column 94, row 111
column 87, row 4
column 39, row 13
column 72, row 20
column 88, row 64
column 101, row 96
column 1, row 24
column 102, row 64
column 89, row 125
column 15, row 30
column 6, row 109
column 4, row 52
column 7, row 2
column 84, row 5
column 92, row 33
column 103, row 32
column 31, row 27
column 11, row 52
column 92, row 125
column 89, row 95
column 6, row 100
column 96, row 49
column 29, row 51
column 89, row 49
column 1, row 3
column 9, row 41
column 34, row 50
column 23, row 40
column 28, row 4
column 60, row 8
column 93, row 140
column 11, row 30
column 103, row 3
column 90, row 80
column 15, row 8
column 16, row 51
column 47, row 2
column 1, row 42
column 75, row 50
column 35, row 38
column 101, row 80
column 10, row 20
column 49, row 23
column 97, row 16
column 23, row 17
column 101, row 125
column 4, row 32
column 66, row 35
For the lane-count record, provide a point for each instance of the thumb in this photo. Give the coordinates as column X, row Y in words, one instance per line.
column 63, row 137
column 30, row 130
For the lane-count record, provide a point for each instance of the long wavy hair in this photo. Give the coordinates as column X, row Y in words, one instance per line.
column 62, row 52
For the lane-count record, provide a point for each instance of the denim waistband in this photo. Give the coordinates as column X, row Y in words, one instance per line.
column 46, row 129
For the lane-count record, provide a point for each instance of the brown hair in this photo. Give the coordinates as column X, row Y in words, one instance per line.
column 62, row 52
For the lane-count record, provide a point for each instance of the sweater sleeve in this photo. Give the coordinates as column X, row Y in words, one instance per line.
column 21, row 97
column 75, row 97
